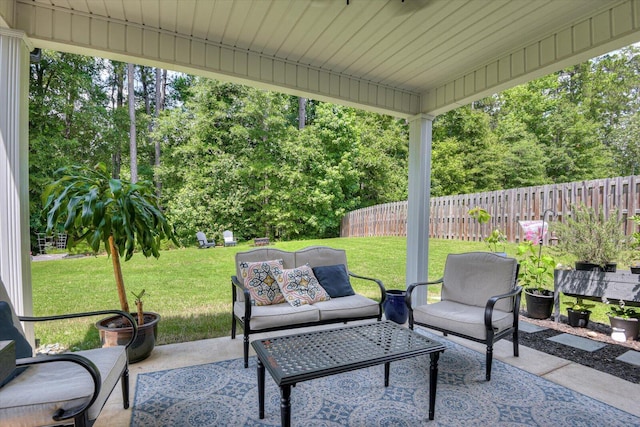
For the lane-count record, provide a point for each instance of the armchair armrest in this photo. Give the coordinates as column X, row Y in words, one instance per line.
column 91, row 368
column 132, row 322
column 235, row 286
column 488, row 310
column 383, row 291
column 413, row 286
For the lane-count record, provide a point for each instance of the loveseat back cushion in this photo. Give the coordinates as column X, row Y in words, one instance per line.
column 262, row 254
column 300, row 286
column 334, row 279
column 472, row 278
column 317, row 256
column 261, row 279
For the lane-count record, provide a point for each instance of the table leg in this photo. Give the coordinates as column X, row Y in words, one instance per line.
column 260, row 389
column 433, row 382
column 386, row 373
column 285, row 405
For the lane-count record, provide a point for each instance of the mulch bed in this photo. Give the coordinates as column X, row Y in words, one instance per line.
column 603, row 360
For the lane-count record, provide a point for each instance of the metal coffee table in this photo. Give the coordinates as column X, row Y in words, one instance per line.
column 295, row 358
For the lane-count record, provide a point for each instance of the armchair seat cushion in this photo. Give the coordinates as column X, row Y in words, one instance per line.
column 278, row 315
column 38, row 392
column 348, row 307
column 461, row 318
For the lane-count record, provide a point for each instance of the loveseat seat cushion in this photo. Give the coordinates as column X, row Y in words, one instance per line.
column 470, row 319
column 32, row 397
column 278, row 315
column 353, row 306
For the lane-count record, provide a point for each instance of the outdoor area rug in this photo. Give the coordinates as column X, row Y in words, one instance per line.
column 226, row 394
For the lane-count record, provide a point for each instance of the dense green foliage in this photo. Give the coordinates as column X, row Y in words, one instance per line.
column 240, row 158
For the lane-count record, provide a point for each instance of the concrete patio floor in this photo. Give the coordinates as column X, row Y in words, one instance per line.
column 590, row 382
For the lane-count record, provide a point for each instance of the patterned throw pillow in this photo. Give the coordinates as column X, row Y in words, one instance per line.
column 300, row 286
column 260, row 280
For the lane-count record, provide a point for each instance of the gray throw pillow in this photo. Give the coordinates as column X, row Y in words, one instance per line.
column 334, row 279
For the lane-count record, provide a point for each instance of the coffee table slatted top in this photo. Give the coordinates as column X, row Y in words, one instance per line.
column 294, row 358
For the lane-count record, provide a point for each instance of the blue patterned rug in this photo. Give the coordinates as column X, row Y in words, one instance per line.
column 225, row 394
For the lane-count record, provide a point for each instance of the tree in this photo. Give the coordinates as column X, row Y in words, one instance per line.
column 133, row 147
column 67, row 115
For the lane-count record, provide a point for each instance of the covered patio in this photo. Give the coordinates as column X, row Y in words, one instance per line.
column 411, row 59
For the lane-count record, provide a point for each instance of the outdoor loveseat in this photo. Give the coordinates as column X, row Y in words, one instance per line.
column 260, row 306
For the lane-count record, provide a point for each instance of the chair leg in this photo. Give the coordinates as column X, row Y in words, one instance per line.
column 488, row 361
column 81, row 420
column 246, row 351
column 125, row 388
column 233, row 327
column 515, row 343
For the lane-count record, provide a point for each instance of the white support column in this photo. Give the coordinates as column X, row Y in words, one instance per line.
column 418, row 209
column 15, row 261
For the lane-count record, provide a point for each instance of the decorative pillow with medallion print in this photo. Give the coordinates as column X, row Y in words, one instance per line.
column 300, row 286
column 260, row 280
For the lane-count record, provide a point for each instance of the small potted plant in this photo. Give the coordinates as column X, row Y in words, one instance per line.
column 624, row 318
column 496, row 239
column 595, row 241
column 536, row 277
column 578, row 312
column 122, row 216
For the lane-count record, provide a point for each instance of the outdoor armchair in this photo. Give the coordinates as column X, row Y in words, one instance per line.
column 69, row 388
column 227, row 235
column 480, row 301
column 204, row 242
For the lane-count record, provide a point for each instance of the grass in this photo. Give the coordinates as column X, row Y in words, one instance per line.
column 191, row 288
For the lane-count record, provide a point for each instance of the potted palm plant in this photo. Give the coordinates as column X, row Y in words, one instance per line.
column 122, row 216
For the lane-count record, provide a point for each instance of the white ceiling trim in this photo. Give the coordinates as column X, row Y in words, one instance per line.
column 60, row 29
column 433, row 57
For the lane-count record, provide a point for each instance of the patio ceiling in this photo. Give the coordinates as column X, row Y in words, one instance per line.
column 392, row 56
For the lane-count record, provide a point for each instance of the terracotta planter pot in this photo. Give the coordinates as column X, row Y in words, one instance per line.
column 114, row 332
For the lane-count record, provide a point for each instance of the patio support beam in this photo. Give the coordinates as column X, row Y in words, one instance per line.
column 15, row 268
column 418, row 206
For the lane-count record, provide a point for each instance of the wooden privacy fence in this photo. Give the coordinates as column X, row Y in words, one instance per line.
column 449, row 218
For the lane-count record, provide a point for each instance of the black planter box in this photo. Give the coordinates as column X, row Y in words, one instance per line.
column 596, row 285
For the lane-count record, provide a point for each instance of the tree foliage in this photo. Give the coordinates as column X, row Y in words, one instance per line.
column 268, row 164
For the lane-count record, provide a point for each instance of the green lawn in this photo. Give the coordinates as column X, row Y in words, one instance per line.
column 191, row 288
